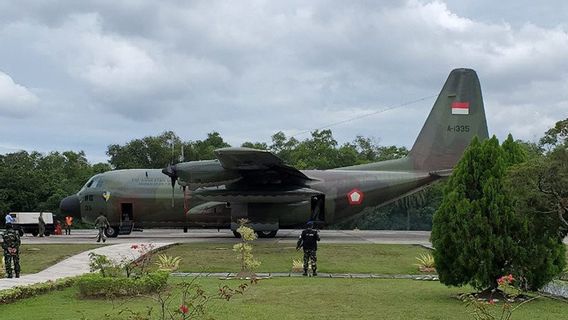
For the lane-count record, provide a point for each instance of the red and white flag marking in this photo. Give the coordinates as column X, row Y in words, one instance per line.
column 460, row 107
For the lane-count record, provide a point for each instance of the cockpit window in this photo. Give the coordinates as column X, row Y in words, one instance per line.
column 94, row 182
column 89, row 183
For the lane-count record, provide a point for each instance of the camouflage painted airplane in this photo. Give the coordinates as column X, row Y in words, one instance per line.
column 257, row 185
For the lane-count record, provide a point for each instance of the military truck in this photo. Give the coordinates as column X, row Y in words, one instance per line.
column 27, row 222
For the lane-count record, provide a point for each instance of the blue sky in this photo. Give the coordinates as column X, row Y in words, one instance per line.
column 80, row 75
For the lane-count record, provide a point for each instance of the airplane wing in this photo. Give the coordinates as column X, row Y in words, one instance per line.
column 256, row 163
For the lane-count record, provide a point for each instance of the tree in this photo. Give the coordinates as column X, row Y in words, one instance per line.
column 543, row 252
column 475, row 231
column 33, row 181
column 556, row 136
column 255, row 145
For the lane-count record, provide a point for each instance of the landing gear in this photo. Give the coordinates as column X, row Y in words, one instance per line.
column 267, row 233
column 261, row 234
column 111, row 232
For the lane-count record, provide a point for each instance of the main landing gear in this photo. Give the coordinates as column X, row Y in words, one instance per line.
column 261, row 234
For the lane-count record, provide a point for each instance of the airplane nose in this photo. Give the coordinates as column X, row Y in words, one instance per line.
column 71, row 206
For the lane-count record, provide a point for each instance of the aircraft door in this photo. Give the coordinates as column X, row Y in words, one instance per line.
column 318, row 208
column 126, row 218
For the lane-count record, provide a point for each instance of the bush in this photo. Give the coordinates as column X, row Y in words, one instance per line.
column 96, row 286
column 14, row 294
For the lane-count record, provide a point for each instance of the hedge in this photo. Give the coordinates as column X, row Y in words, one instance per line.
column 94, row 285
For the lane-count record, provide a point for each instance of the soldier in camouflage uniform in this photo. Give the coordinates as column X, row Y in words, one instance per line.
column 11, row 245
column 309, row 241
column 101, row 223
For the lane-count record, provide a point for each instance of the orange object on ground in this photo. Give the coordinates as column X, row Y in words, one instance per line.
column 58, row 229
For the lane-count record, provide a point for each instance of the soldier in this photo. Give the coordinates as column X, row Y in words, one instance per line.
column 11, row 246
column 309, row 241
column 41, row 225
column 101, row 223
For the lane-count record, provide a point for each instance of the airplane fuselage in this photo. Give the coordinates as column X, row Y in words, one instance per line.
column 145, row 197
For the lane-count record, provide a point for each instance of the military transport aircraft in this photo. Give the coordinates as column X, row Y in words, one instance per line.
column 257, row 185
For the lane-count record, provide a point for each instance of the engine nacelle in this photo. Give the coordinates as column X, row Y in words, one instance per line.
column 206, row 173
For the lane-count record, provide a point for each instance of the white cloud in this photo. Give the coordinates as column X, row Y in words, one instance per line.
column 248, row 69
column 15, row 99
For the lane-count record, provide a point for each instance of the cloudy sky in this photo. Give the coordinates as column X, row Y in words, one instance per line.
column 80, row 75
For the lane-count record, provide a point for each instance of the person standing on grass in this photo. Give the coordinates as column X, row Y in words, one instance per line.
column 11, row 245
column 309, row 241
column 101, row 223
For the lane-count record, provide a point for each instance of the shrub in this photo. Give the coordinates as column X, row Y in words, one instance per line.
column 168, row 263
column 297, row 265
column 95, row 285
column 2, row 268
column 426, row 263
column 14, row 294
column 244, row 249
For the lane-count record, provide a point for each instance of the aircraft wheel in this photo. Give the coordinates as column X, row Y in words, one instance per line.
column 267, row 234
column 237, row 235
column 111, row 232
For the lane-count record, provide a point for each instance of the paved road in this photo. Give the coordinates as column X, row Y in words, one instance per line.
column 209, row 235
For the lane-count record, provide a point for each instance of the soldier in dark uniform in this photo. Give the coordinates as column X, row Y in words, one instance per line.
column 309, row 241
column 11, row 245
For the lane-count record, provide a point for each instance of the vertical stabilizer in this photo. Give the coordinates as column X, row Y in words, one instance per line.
column 457, row 116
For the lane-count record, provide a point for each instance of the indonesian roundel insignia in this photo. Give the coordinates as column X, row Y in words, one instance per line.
column 355, row 197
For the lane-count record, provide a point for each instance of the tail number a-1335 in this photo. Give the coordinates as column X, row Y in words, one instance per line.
column 458, row 128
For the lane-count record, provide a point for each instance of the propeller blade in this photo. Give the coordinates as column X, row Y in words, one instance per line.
column 170, row 171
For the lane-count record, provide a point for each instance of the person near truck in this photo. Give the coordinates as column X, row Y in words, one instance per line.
column 9, row 218
column 68, row 224
column 40, row 225
column 101, row 223
column 11, row 245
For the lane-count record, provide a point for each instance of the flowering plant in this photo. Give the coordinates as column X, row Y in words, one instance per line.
column 485, row 308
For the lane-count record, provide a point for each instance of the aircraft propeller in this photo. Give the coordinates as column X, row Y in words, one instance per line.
column 171, row 172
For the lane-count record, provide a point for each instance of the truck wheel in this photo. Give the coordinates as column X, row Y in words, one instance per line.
column 111, row 232
column 34, row 233
column 21, row 232
column 237, row 235
column 46, row 233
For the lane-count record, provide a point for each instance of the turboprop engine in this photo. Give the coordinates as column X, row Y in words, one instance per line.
column 199, row 174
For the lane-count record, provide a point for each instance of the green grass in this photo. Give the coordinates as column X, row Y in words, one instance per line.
column 36, row 257
column 332, row 258
column 292, row 298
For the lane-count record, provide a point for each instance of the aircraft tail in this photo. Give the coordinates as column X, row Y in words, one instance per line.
column 457, row 116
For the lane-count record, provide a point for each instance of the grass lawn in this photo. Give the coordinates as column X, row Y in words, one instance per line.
column 332, row 258
column 291, row 298
column 36, row 257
